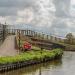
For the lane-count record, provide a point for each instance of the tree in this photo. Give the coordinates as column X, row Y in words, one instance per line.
column 69, row 38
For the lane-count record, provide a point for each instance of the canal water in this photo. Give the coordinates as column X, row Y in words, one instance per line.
column 65, row 66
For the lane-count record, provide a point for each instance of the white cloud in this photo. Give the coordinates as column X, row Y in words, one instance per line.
column 25, row 16
column 73, row 2
column 72, row 8
column 2, row 19
column 70, row 23
column 45, row 14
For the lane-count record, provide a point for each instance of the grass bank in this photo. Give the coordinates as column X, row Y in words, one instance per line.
column 32, row 55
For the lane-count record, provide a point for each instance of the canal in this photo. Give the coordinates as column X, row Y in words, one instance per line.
column 65, row 66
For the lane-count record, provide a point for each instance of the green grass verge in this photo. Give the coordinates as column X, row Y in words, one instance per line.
column 31, row 55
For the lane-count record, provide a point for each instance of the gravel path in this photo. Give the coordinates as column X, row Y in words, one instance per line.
column 8, row 47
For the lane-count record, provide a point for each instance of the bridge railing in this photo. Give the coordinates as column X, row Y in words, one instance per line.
column 40, row 36
column 37, row 35
column 34, row 34
column 7, row 29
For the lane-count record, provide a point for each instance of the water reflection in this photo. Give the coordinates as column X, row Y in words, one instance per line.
column 35, row 69
column 66, row 66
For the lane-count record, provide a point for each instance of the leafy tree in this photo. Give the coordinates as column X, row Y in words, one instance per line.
column 69, row 38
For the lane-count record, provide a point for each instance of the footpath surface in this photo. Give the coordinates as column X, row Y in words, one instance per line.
column 8, row 47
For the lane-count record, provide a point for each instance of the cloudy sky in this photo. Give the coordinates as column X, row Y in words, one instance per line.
column 50, row 16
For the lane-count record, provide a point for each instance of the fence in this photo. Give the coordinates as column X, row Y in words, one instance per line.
column 3, row 32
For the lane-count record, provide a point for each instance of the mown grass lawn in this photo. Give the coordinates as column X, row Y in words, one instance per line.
column 31, row 55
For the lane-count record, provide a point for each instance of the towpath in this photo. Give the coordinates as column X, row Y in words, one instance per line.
column 8, row 47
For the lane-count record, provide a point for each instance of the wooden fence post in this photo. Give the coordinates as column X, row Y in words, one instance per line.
column 19, row 38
